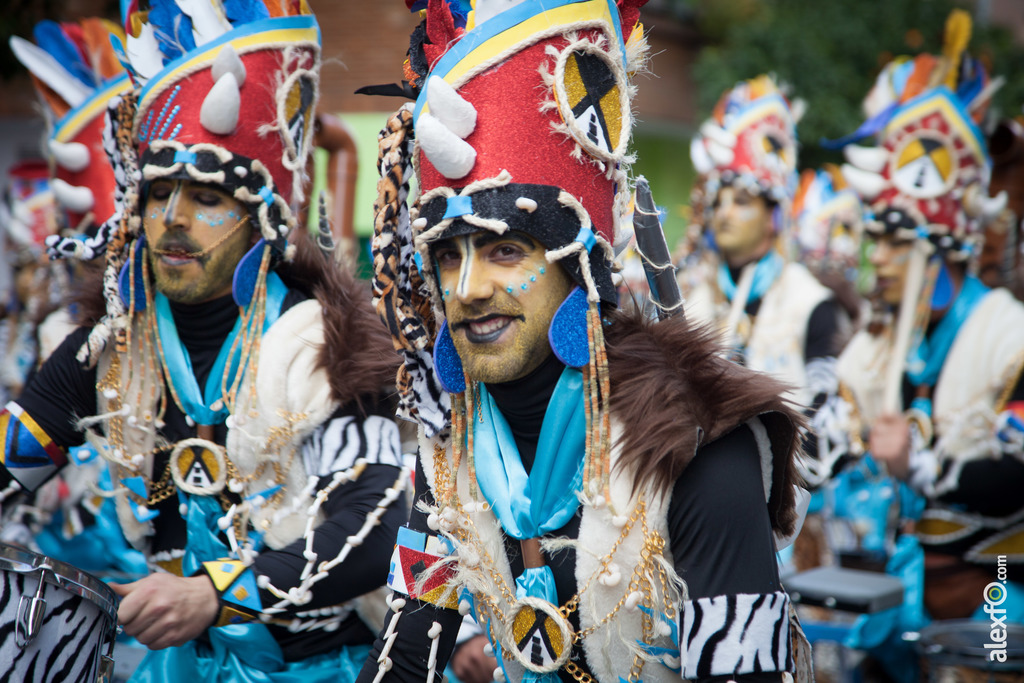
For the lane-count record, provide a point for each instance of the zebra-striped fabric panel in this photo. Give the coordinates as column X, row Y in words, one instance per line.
column 337, row 444
column 69, row 642
column 735, row 634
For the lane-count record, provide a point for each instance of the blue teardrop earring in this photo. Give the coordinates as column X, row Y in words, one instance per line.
column 568, row 331
column 942, row 295
column 124, row 278
column 243, row 283
column 447, row 363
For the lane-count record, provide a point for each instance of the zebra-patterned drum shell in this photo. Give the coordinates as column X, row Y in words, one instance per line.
column 79, row 621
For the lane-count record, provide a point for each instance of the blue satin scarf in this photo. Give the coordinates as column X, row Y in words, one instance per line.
column 237, row 653
column 179, row 365
column 534, row 504
column 766, row 272
column 925, row 361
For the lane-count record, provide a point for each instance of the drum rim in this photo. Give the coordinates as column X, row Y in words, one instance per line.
column 65, row 576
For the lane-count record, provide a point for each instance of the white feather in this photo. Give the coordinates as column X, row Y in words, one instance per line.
column 208, row 19
column 144, row 53
column 71, row 197
column 50, row 71
column 73, row 156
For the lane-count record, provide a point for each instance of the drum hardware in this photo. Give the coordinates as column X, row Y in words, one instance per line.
column 31, row 611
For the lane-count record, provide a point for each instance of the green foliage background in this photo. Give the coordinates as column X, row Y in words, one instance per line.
column 830, row 51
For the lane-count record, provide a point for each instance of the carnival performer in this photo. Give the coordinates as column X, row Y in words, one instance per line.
column 774, row 314
column 604, row 497
column 934, row 396
column 236, row 382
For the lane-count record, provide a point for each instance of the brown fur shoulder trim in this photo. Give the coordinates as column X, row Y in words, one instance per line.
column 673, row 391
column 357, row 353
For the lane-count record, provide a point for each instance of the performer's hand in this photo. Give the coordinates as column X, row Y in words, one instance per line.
column 163, row 610
column 889, row 443
column 470, row 663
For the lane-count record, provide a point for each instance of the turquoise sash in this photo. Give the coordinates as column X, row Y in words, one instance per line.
column 179, row 365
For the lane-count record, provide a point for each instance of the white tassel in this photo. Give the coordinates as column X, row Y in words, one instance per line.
column 219, row 113
column 73, row 156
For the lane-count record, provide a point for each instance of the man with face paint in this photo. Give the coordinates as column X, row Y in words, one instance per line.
column 237, row 384
column 775, row 315
column 934, row 396
column 588, row 481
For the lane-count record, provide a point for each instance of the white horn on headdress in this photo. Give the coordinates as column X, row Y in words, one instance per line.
column 699, row 156
column 865, row 183
column 713, row 131
column 219, row 113
column 72, row 197
column 228, row 61
column 977, row 204
column 73, row 156
column 871, row 159
column 719, row 153
column 450, row 108
column 452, row 156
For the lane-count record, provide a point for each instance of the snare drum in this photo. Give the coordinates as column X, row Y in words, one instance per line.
column 57, row 623
column 953, row 651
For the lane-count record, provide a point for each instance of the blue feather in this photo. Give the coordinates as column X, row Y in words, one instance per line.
column 245, row 11
column 51, row 37
column 173, row 29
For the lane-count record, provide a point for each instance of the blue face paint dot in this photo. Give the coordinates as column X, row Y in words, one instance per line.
column 509, row 289
column 542, row 271
column 533, row 278
column 523, row 286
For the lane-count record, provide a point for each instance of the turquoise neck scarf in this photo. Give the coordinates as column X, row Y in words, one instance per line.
column 534, row 504
column 925, row 361
column 198, row 404
column 766, row 272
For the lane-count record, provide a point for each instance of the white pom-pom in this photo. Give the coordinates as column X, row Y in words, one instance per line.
column 419, row 224
column 182, row 509
column 599, row 501
column 138, row 460
column 241, row 171
column 663, row 629
column 489, row 650
column 235, row 486
column 219, row 112
column 126, row 410
column 230, row 422
column 633, row 599
column 132, row 420
column 217, row 405
column 433, row 521
column 619, row 520
column 526, row 204
column 464, row 607
column 110, row 394
column 499, row 675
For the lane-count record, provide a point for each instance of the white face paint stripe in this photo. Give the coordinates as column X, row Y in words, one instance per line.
column 466, row 266
column 172, row 205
